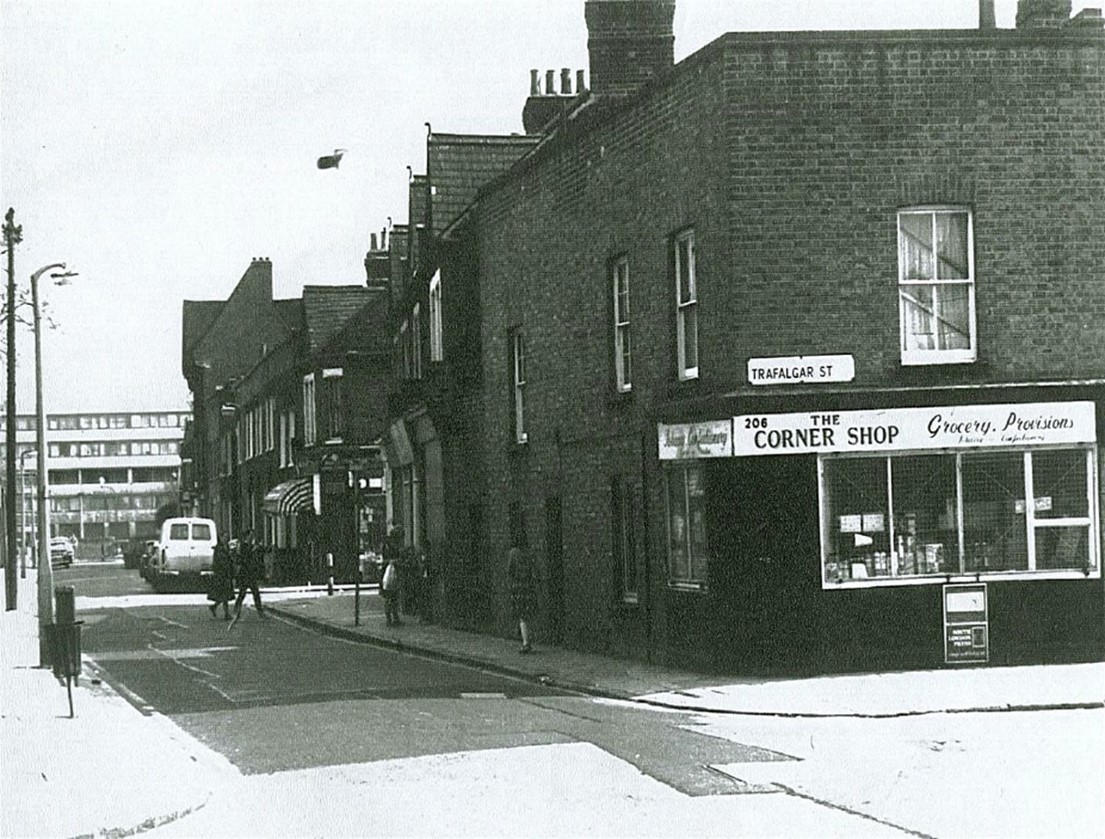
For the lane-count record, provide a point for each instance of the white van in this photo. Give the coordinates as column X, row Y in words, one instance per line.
column 184, row 552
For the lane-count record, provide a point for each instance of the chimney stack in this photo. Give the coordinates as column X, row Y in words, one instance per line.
column 986, row 19
column 630, row 42
column 1042, row 14
column 542, row 108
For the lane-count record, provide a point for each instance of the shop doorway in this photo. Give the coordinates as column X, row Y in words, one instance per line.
column 774, row 584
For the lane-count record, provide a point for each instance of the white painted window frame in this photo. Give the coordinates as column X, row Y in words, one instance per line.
column 687, row 306
column 518, row 380
column 437, row 346
column 912, row 357
column 623, row 344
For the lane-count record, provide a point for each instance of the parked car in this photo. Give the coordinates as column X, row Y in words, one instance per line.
column 184, row 554
column 61, row 552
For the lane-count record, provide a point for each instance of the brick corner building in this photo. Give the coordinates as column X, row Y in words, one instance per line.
column 789, row 354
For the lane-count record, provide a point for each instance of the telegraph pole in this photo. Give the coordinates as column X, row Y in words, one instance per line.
column 13, row 235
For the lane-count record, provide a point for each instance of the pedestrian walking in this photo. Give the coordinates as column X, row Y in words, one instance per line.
column 222, row 579
column 390, row 589
column 523, row 592
column 391, row 583
column 251, row 570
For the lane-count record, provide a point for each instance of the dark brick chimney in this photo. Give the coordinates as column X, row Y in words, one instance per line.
column 377, row 263
column 544, row 106
column 629, row 42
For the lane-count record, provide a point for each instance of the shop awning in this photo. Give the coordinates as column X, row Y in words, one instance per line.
column 290, row 497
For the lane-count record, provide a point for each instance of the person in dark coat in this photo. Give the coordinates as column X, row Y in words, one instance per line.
column 251, row 570
column 222, row 579
column 391, row 581
column 523, row 592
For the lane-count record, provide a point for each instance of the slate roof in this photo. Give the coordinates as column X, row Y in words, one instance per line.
column 457, row 165
column 327, row 308
column 367, row 329
column 197, row 317
column 291, row 312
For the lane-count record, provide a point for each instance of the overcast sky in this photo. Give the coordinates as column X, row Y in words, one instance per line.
column 157, row 147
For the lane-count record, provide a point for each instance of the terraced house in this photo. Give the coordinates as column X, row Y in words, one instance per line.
column 786, row 357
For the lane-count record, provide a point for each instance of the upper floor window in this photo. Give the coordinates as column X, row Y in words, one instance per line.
column 416, row 342
column 686, row 306
column 405, row 350
column 936, row 286
column 437, row 349
column 623, row 366
column 331, row 381
column 518, row 382
column 309, row 428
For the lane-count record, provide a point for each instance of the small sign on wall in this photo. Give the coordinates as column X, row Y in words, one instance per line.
column 966, row 624
column 801, row 369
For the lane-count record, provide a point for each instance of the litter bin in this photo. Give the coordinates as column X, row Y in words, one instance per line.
column 64, row 635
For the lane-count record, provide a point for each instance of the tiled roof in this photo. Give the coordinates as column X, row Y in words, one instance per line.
column 290, row 311
column 327, row 308
column 198, row 315
column 459, row 164
column 367, row 328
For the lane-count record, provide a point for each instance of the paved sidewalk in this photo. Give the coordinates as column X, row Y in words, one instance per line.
column 1042, row 687
column 107, row 771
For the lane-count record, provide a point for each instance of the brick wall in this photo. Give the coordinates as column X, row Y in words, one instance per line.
column 789, row 155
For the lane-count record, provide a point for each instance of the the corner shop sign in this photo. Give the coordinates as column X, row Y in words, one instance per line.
column 903, row 429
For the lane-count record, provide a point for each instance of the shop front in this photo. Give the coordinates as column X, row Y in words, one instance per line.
column 905, row 536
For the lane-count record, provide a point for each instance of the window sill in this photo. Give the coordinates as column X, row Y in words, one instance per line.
column 925, row 358
column 688, row 588
column 939, row 579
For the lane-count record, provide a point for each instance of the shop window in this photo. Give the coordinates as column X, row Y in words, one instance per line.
column 686, row 307
column 926, row 517
column 623, row 355
column 1060, row 513
column 857, row 524
column 687, row 538
column 908, row 516
column 994, row 535
column 936, row 286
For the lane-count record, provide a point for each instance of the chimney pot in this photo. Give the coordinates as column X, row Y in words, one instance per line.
column 534, row 83
column 565, row 81
column 550, row 82
column 986, row 14
column 579, row 82
column 372, row 242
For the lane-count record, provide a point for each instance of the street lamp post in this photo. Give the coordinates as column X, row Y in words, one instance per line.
column 45, row 570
